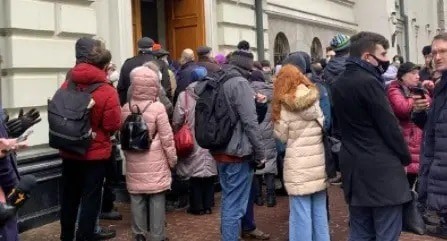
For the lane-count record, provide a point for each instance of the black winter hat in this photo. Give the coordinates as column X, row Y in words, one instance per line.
column 297, row 60
column 145, row 43
column 307, row 60
column 426, row 50
column 84, row 46
column 243, row 45
column 203, row 50
column 243, row 59
column 257, row 75
column 406, row 68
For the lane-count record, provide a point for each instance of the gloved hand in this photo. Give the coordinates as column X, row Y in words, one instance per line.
column 19, row 125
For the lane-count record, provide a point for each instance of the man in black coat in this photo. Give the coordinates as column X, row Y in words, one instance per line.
column 433, row 169
column 144, row 55
column 373, row 153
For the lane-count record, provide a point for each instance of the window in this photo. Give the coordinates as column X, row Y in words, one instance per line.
column 316, row 50
column 281, row 48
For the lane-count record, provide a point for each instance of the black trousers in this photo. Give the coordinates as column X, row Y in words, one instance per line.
column 111, row 178
column 201, row 193
column 375, row 223
column 82, row 183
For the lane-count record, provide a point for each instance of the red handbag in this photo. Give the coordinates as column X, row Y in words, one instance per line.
column 183, row 138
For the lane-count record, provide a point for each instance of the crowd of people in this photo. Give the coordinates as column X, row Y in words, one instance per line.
column 355, row 118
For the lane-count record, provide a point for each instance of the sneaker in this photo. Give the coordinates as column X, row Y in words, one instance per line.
column 112, row 215
column 256, row 234
column 105, row 234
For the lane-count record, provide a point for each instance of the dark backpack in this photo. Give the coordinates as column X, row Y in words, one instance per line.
column 69, row 118
column 215, row 119
column 134, row 134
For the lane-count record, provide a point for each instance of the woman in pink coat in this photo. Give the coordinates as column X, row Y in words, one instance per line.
column 400, row 97
column 148, row 174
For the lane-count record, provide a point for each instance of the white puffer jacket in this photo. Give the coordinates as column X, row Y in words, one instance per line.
column 300, row 126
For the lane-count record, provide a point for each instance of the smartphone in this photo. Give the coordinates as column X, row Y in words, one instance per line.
column 418, row 91
column 24, row 136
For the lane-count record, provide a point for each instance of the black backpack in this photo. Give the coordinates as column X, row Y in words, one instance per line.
column 69, row 118
column 134, row 134
column 215, row 119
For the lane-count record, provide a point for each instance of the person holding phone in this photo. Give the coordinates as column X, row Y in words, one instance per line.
column 401, row 94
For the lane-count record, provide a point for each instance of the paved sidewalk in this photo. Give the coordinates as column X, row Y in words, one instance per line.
column 185, row 227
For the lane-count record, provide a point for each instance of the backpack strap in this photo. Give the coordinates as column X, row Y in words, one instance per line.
column 91, row 88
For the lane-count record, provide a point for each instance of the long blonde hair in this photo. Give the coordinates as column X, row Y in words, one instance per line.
column 286, row 83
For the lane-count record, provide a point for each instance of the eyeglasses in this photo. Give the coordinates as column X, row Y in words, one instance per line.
column 440, row 52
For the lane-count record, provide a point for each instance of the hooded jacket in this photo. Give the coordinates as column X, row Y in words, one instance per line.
column 105, row 114
column 300, row 127
column 149, row 172
column 266, row 126
column 200, row 163
column 334, row 68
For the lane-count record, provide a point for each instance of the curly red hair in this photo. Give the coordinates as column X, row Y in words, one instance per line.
column 286, row 82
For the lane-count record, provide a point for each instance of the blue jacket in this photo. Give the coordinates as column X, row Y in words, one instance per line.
column 433, row 157
column 184, row 78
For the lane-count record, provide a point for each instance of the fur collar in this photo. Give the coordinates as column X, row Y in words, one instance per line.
column 303, row 98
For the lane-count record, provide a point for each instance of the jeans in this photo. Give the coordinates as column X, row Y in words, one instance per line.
column 308, row 218
column 201, row 192
column 81, row 186
column 248, row 220
column 371, row 224
column 236, row 180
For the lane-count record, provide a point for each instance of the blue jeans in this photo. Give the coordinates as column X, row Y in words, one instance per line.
column 308, row 218
column 248, row 220
column 236, row 180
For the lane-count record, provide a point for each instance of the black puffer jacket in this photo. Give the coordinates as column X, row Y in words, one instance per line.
column 334, row 69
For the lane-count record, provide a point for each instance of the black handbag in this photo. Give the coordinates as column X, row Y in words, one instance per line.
column 413, row 220
column 332, row 146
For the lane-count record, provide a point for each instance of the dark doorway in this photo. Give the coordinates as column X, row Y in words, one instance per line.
column 149, row 19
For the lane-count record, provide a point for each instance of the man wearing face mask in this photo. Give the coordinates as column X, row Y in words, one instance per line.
column 374, row 152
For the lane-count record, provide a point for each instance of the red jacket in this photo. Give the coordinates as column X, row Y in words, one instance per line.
column 402, row 104
column 105, row 116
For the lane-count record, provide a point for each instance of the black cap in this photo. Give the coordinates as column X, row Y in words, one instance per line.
column 406, row 68
column 203, row 50
column 297, row 60
column 145, row 43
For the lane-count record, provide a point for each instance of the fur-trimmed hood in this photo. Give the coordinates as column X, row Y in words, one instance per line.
column 303, row 98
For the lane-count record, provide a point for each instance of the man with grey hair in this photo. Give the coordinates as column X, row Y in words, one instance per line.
column 184, row 74
column 144, row 55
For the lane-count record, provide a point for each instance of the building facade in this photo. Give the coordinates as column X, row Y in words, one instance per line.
column 37, row 43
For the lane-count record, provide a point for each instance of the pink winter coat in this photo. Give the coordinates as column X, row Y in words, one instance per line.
column 149, row 172
column 402, row 104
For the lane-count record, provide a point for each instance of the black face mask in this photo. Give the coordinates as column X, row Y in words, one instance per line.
column 383, row 65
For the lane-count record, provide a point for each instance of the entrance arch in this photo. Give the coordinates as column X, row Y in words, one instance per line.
column 316, row 49
column 281, row 48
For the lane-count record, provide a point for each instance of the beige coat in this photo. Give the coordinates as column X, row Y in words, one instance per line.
column 300, row 126
column 150, row 172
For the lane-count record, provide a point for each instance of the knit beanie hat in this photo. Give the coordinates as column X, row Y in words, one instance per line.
column 297, row 60
column 220, row 59
column 84, row 46
column 340, row 42
column 257, row 75
column 242, row 59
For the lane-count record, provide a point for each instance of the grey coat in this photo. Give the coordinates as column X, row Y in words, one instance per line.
column 200, row 163
column 245, row 139
column 267, row 138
